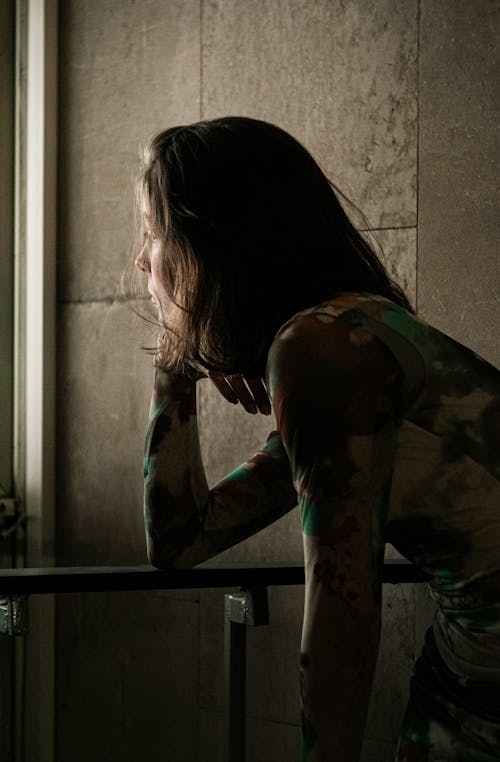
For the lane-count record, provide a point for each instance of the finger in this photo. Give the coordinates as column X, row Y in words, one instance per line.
column 243, row 393
column 260, row 394
column 223, row 387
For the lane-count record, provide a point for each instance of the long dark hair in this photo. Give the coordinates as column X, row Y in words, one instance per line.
column 252, row 232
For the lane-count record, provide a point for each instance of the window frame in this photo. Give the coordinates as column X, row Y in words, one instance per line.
column 7, row 123
column 35, row 350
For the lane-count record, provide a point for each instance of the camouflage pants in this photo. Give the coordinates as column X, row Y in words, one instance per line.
column 446, row 721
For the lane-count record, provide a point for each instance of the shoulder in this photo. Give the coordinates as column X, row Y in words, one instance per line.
column 319, row 343
column 352, row 308
column 333, row 324
column 323, row 313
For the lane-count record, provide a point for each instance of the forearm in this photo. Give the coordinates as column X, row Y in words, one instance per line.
column 340, row 640
column 186, row 523
column 337, row 669
column 175, row 487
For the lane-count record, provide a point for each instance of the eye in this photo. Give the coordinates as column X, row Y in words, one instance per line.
column 149, row 237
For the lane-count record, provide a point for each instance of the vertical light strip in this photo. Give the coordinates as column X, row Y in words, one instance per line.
column 19, row 332
column 6, row 259
column 40, row 278
column 40, row 308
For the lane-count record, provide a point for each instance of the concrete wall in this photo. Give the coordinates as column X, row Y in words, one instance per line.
column 395, row 99
column 127, row 669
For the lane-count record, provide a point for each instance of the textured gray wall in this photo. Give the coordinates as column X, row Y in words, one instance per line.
column 395, row 99
column 459, row 159
column 127, row 664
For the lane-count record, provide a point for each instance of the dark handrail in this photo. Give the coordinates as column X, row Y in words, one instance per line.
column 242, row 609
column 77, row 579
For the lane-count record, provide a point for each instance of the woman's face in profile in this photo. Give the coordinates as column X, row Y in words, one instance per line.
column 149, row 258
column 149, row 261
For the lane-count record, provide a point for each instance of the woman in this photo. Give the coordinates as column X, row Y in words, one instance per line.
column 387, row 430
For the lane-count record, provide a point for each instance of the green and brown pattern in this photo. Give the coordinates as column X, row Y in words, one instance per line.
column 388, row 431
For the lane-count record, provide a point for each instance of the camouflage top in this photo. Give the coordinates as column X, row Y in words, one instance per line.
column 445, row 488
column 388, row 431
column 444, row 508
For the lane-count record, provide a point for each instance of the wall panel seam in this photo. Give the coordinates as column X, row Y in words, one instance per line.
column 201, row 58
column 418, row 152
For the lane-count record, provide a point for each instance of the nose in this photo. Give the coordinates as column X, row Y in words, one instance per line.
column 142, row 259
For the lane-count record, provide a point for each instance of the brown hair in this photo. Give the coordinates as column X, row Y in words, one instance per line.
column 252, row 232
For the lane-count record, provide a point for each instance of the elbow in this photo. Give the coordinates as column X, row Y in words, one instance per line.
column 168, row 561
column 159, row 559
column 163, row 564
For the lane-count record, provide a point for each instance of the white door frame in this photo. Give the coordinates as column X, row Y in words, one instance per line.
column 36, row 173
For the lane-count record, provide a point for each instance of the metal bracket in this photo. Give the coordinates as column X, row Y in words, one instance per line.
column 11, row 516
column 248, row 607
column 14, row 615
column 8, row 506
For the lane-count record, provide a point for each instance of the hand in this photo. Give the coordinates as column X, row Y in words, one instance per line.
column 251, row 392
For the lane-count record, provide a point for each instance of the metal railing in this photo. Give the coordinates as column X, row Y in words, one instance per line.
column 248, row 607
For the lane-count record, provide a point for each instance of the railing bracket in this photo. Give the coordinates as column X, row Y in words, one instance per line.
column 14, row 615
column 249, row 607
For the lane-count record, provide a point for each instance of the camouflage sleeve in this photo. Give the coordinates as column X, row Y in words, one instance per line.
column 337, row 394
column 185, row 521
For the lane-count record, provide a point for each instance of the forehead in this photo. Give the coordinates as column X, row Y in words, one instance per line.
column 145, row 206
column 148, row 208
column 146, row 213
